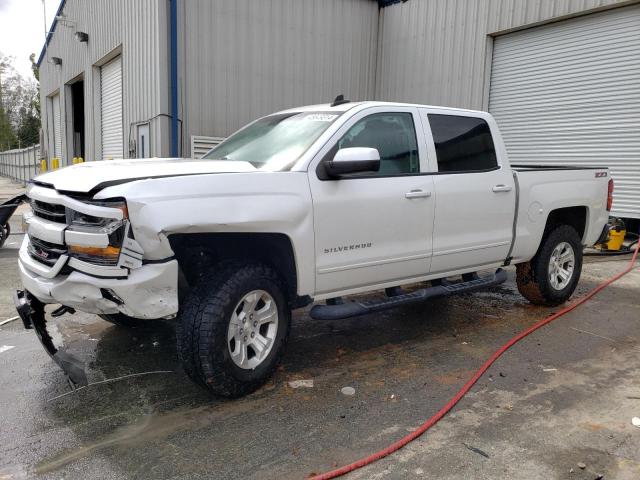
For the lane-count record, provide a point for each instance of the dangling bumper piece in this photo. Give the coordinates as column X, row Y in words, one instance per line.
column 31, row 312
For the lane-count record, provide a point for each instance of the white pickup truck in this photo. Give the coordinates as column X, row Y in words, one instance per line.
column 309, row 204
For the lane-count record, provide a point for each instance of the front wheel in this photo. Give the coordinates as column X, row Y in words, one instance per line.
column 552, row 275
column 233, row 329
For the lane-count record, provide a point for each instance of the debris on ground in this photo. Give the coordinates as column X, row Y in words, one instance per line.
column 9, row 320
column 581, row 466
column 349, row 391
column 308, row 383
column 4, row 348
column 635, row 421
column 476, row 450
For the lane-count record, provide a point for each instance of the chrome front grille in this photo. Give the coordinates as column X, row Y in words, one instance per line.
column 49, row 211
column 45, row 252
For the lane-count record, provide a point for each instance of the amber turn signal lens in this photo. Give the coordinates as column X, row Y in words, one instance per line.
column 125, row 211
column 109, row 252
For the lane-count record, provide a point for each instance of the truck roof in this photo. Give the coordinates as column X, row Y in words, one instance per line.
column 343, row 107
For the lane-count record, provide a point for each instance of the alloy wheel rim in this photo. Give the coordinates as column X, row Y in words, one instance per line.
column 561, row 265
column 252, row 329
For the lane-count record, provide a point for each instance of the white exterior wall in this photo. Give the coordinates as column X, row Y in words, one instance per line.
column 137, row 31
column 241, row 59
column 438, row 52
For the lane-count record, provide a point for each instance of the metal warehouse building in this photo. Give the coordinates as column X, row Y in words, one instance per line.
column 140, row 78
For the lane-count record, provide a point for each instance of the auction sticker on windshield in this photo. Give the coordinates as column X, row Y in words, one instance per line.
column 321, row 117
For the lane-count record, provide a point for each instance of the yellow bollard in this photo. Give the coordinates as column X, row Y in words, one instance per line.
column 43, row 165
column 55, row 163
column 74, row 160
column 80, row 160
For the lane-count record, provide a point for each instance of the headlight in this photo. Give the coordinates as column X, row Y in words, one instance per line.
column 113, row 229
column 82, row 221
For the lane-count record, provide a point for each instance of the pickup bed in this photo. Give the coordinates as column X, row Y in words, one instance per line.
column 309, row 204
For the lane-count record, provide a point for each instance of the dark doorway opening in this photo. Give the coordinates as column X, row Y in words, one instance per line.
column 77, row 103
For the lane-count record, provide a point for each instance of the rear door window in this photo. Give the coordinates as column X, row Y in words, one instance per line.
column 463, row 144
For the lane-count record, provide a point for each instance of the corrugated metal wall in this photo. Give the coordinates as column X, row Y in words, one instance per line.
column 135, row 28
column 245, row 58
column 438, row 51
column 568, row 93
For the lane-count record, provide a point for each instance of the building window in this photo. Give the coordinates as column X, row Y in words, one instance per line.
column 463, row 144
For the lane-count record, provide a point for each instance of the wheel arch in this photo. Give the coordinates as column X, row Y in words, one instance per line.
column 575, row 216
column 273, row 249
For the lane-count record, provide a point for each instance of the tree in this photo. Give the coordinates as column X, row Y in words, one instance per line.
column 7, row 137
column 19, row 106
column 34, row 67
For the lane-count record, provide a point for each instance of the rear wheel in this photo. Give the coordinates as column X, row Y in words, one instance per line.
column 552, row 275
column 233, row 329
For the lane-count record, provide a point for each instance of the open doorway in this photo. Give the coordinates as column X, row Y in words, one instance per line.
column 78, row 130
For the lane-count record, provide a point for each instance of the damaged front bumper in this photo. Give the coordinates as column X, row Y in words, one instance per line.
column 149, row 292
column 31, row 312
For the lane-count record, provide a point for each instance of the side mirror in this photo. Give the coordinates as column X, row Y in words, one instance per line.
column 353, row 160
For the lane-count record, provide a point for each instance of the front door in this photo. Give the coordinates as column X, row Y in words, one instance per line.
column 474, row 193
column 372, row 229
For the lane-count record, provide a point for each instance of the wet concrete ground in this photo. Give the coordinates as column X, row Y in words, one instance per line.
column 564, row 395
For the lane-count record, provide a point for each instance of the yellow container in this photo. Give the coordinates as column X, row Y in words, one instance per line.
column 55, row 163
column 43, row 165
column 616, row 237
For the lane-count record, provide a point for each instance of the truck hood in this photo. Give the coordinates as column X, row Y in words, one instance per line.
column 90, row 176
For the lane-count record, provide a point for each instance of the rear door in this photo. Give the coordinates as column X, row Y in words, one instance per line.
column 475, row 194
column 375, row 228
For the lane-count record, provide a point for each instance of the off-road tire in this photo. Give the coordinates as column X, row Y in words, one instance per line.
column 203, row 323
column 533, row 278
column 122, row 320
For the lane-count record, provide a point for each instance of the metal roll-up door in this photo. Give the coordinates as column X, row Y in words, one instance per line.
column 568, row 93
column 111, row 109
column 57, row 130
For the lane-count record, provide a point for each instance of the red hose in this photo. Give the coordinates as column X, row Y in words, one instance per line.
column 467, row 386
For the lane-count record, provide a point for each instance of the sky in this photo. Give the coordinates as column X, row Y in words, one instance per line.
column 22, row 30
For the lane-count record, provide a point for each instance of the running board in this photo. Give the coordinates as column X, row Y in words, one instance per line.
column 355, row 309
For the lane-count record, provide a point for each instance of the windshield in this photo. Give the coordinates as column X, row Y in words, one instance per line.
column 275, row 142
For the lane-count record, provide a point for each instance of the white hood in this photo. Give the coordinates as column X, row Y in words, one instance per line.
column 85, row 177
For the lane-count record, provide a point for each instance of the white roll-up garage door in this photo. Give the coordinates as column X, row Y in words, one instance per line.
column 57, row 130
column 111, row 109
column 568, row 93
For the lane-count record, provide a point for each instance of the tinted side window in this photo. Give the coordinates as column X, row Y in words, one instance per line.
column 462, row 143
column 393, row 135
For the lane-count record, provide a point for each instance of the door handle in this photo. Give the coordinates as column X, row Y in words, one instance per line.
column 501, row 188
column 417, row 194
